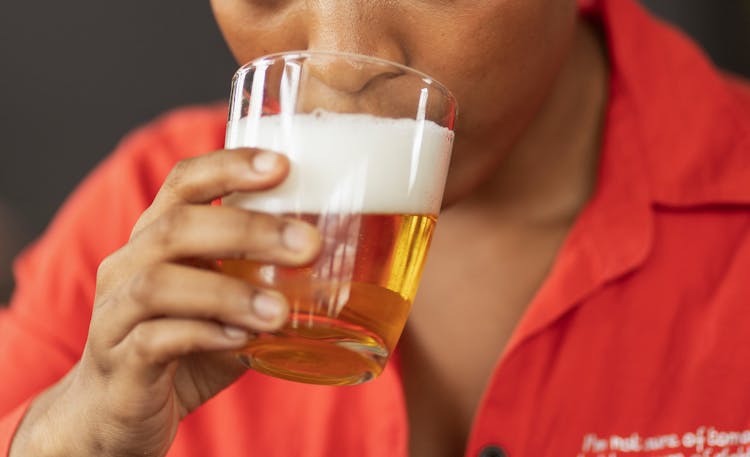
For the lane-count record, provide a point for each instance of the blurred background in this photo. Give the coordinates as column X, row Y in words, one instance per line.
column 76, row 77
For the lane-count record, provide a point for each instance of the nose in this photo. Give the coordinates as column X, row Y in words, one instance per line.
column 348, row 76
column 357, row 27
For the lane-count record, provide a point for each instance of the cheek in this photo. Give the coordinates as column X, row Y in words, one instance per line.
column 499, row 57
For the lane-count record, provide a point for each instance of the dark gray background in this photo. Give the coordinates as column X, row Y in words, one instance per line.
column 76, row 76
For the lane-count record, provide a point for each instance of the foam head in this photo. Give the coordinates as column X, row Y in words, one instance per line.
column 348, row 163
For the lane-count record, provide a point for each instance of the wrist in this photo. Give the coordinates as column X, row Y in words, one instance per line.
column 39, row 434
column 52, row 427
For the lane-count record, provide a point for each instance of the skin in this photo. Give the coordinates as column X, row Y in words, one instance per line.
column 531, row 88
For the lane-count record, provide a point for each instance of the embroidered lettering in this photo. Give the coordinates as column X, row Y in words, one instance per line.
column 702, row 442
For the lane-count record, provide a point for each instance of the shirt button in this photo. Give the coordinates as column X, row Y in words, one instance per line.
column 492, row 451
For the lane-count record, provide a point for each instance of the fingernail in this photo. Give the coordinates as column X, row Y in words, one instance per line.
column 267, row 308
column 234, row 333
column 297, row 236
column 265, row 161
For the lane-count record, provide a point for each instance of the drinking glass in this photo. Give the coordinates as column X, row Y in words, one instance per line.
column 369, row 143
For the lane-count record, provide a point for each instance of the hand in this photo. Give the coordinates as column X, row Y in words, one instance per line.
column 165, row 323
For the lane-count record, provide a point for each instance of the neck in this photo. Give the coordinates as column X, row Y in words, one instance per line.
column 549, row 174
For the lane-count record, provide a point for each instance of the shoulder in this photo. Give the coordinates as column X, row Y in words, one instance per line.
column 703, row 156
column 681, row 130
column 175, row 135
column 188, row 129
column 739, row 89
column 692, row 120
column 132, row 175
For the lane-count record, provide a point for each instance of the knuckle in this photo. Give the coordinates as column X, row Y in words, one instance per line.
column 225, row 159
column 149, row 215
column 264, row 229
column 178, row 173
column 246, row 223
column 108, row 273
column 181, row 181
column 105, row 267
column 169, row 223
column 146, row 283
column 235, row 297
column 95, row 342
column 187, row 346
column 143, row 344
column 96, row 357
column 246, row 290
column 225, row 163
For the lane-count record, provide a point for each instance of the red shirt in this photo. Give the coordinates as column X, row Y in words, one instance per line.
column 636, row 344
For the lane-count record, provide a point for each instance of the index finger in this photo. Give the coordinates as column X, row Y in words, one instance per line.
column 208, row 177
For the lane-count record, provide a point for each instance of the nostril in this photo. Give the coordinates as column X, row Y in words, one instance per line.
column 379, row 77
column 350, row 83
column 349, row 76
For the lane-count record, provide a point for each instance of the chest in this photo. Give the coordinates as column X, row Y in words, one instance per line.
column 653, row 363
column 475, row 288
column 617, row 377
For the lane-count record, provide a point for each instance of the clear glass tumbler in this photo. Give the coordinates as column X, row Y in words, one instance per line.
column 369, row 143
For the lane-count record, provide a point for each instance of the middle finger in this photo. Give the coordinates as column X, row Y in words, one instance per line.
column 222, row 232
column 173, row 290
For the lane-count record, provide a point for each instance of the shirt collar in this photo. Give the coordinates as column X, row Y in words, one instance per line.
column 692, row 119
column 673, row 136
column 613, row 234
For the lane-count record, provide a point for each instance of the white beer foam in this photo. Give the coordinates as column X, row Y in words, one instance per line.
column 348, row 163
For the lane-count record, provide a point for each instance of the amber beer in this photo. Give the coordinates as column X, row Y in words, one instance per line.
column 334, row 343
column 373, row 187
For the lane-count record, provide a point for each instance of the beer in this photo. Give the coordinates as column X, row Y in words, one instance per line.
column 343, row 338
column 373, row 187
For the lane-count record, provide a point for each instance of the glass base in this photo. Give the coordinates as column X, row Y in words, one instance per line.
column 319, row 350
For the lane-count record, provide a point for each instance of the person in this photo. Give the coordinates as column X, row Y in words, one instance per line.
column 585, row 294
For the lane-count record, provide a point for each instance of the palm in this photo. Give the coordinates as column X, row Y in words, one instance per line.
column 201, row 376
column 183, row 386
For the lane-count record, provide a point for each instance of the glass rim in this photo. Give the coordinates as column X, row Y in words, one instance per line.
column 306, row 54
